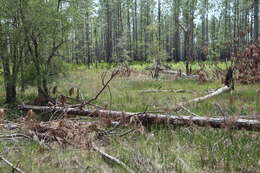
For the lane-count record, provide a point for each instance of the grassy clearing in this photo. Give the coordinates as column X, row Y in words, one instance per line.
column 158, row 149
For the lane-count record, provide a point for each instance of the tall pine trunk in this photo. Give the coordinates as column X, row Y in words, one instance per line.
column 256, row 21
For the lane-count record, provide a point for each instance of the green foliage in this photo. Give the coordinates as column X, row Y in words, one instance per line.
column 160, row 148
column 122, row 52
column 1, row 75
column 155, row 51
column 56, row 68
column 213, row 54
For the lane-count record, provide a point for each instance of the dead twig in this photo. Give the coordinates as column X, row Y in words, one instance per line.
column 79, row 100
column 187, row 110
column 14, row 168
column 117, row 161
column 82, row 166
column 157, row 91
column 42, row 143
column 12, row 136
column 105, row 85
column 127, row 132
column 220, row 110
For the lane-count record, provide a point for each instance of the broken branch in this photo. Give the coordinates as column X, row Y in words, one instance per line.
column 157, row 91
column 105, row 85
column 117, row 161
column 187, row 110
column 199, row 99
column 11, row 165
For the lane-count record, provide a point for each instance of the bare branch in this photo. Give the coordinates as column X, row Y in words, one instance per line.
column 105, row 85
column 187, row 110
column 217, row 92
column 11, row 165
column 117, row 161
column 185, row 29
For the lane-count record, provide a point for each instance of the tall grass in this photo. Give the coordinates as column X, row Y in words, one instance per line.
column 159, row 148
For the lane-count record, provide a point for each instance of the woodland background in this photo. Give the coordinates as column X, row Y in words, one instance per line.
column 37, row 37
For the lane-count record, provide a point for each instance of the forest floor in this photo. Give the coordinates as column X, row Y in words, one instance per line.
column 158, row 148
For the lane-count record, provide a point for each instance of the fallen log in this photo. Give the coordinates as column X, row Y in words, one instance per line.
column 170, row 72
column 217, row 92
column 158, row 91
column 149, row 118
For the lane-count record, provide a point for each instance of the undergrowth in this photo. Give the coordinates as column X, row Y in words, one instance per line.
column 159, row 148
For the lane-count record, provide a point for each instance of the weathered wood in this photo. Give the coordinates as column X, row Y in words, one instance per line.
column 14, row 168
column 113, row 159
column 170, row 72
column 216, row 122
column 158, row 91
column 217, row 92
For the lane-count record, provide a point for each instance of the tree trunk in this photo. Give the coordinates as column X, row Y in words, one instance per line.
column 10, row 82
column 10, row 92
column 135, row 39
column 109, row 41
column 129, row 33
column 157, row 65
column 159, row 23
column 148, row 118
column 176, row 37
column 256, row 21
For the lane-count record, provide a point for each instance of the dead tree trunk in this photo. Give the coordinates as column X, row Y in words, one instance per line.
column 157, row 65
column 217, row 92
column 149, row 118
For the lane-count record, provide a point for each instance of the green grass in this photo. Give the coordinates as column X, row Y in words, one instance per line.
column 159, row 148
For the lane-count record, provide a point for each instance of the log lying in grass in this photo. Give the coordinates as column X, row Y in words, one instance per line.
column 170, row 72
column 170, row 91
column 219, row 122
column 217, row 92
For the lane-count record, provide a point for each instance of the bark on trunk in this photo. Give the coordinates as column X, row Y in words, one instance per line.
column 10, row 82
column 256, row 21
column 10, row 92
column 149, row 118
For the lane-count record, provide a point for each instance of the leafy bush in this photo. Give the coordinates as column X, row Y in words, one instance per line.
column 58, row 66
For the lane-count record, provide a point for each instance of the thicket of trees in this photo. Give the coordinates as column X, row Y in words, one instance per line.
column 118, row 30
column 37, row 36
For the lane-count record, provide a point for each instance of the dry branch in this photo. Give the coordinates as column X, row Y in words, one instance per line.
column 117, row 161
column 14, row 168
column 187, row 110
column 158, row 91
column 13, row 136
column 217, row 92
column 105, row 85
column 170, row 72
column 149, row 118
